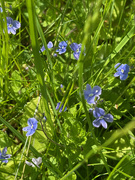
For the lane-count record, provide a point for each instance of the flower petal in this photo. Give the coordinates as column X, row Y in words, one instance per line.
column 74, row 46
column 96, row 123
column 26, row 128
column 76, row 55
column 91, row 100
column 88, row 88
column 123, row 76
column 103, row 123
column 30, row 132
column 58, row 105
column 4, row 151
column 16, row 24
column 62, row 50
column 62, row 43
column 126, row 68
column 42, row 49
column 9, row 20
column 108, row 118
column 13, row 30
column 116, row 74
column 117, row 65
column 5, row 161
column 50, row 44
column 97, row 90
column 28, row 163
column 32, row 121
column 98, row 112
column 1, row 10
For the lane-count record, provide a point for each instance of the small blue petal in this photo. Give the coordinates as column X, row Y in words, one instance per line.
column 63, row 43
column 42, row 48
column 97, row 90
column 1, row 10
column 103, row 123
column 117, row 65
column 50, row 44
column 98, row 112
column 123, row 77
column 58, row 105
column 108, row 118
column 28, row 128
column 74, row 46
column 116, row 74
column 16, row 24
column 76, row 55
column 96, row 123
column 61, row 86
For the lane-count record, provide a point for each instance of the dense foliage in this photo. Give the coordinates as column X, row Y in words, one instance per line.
column 67, row 78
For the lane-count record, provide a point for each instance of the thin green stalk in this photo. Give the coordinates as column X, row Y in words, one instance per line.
column 116, row 167
column 21, row 158
column 80, row 63
column 5, row 50
column 26, row 156
column 38, row 60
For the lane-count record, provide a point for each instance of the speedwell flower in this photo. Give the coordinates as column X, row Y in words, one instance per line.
column 77, row 50
column 4, row 156
column 35, row 162
column 12, row 25
column 32, row 126
column 49, row 45
column 58, row 105
column 101, row 118
column 122, row 71
column 90, row 94
column 62, row 47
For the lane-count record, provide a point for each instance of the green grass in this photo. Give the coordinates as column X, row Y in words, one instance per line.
column 70, row 146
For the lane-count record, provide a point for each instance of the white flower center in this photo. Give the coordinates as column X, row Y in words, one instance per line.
column 10, row 25
column 122, row 70
column 90, row 95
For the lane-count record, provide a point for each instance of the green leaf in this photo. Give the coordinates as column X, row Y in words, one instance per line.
column 16, row 81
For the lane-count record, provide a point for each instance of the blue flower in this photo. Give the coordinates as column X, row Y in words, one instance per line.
column 58, row 105
column 61, row 86
column 54, row 55
column 101, row 118
column 12, row 25
column 91, row 94
column 77, row 50
column 1, row 10
column 49, row 45
column 122, row 71
column 62, row 47
column 4, row 156
column 32, row 126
